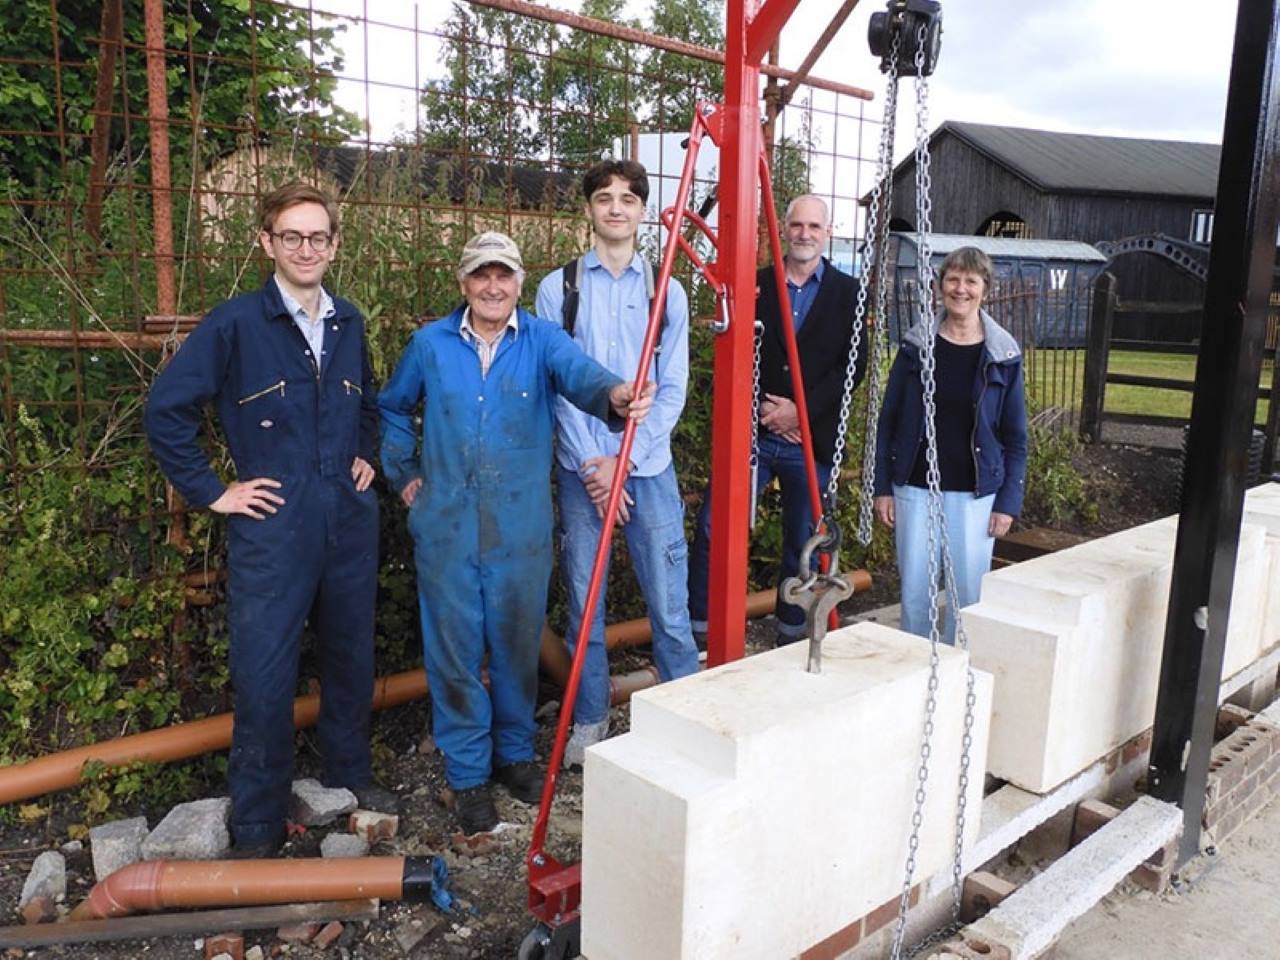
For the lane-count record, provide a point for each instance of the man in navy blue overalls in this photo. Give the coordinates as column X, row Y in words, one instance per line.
column 287, row 369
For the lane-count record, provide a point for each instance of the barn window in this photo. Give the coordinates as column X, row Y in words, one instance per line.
column 1005, row 224
column 1201, row 226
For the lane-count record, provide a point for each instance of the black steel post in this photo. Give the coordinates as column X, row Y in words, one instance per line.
column 1241, row 260
column 1273, row 418
column 1097, row 351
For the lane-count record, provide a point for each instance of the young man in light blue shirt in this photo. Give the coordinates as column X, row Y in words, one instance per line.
column 612, row 285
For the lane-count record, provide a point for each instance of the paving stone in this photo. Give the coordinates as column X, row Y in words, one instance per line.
column 48, row 878
column 116, row 844
column 412, row 932
column 191, row 831
column 337, row 845
column 315, row 805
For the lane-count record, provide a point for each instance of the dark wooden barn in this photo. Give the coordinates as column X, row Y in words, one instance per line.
column 1033, row 184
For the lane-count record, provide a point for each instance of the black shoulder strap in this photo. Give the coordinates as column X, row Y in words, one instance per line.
column 571, row 279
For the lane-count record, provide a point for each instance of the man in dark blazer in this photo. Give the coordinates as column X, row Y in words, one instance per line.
column 823, row 302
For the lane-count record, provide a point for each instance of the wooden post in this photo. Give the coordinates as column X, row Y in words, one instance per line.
column 1097, row 351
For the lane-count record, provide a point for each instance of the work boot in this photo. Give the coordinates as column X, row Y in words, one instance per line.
column 256, row 849
column 584, row 735
column 523, row 780
column 475, row 809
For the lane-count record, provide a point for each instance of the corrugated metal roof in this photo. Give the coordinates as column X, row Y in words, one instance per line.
column 1005, row 247
column 1094, row 164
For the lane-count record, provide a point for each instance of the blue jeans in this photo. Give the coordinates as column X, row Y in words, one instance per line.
column 783, row 460
column 660, row 558
column 966, row 518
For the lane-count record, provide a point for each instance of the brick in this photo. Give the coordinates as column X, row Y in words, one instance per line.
column 232, row 944
column 981, row 892
column 39, row 909
column 1162, row 855
column 1138, row 746
column 1155, row 879
column 1226, row 825
column 1230, row 717
column 838, row 943
column 373, row 826
column 881, row 916
column 298, row 932
column 1091, row 816
column 330, row 932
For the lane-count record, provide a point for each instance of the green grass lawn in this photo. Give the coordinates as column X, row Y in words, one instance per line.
column 1056, row 378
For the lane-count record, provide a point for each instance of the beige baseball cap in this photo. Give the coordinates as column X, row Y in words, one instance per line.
column 489, row 247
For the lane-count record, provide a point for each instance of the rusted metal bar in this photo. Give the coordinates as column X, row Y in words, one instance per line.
column 819, row 48
column 89, row 339
column 618, row 32
column 108, row 47
column 186, row 924
column 161, row 187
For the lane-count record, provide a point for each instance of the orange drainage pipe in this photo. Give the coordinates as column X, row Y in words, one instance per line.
column 164, row 884
column 58, row 771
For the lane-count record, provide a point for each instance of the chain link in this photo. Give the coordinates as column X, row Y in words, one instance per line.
column 879, row 336
column 880, row 194
column 754, row 461
column 938, row 542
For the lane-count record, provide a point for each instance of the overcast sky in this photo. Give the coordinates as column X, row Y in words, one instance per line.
column 1153, row 68
column 1142, row 68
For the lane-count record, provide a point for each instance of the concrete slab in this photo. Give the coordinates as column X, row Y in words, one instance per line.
column 743, row 797
column 1029, row 920
column 1074, row 641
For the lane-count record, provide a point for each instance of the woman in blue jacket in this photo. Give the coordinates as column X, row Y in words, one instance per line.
column 981, row 427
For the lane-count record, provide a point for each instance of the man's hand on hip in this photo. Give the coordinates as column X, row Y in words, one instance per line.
column 251, row 498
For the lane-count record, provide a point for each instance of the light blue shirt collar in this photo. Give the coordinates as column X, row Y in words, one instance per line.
column 298, row 311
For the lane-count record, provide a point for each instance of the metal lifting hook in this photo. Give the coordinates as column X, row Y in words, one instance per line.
column 818, row 593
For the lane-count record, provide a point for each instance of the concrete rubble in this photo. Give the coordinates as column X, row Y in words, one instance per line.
column 191, row 831
column 116, row 844
column 315, row 805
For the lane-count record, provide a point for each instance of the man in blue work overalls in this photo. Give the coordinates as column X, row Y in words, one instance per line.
column 479, row 497
column 603, row 300
column 287, row 369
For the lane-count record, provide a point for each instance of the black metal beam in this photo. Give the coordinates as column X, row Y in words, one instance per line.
column 1098, row 349
column 1241, row 261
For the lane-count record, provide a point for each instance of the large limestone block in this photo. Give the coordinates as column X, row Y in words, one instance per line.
column 1262, row 507
column 755, row 809
column 1074, row 641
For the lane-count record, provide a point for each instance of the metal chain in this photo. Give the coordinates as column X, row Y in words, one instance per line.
column 879, row 335
column 938, row 541
column 884, row 170
column 754, row 461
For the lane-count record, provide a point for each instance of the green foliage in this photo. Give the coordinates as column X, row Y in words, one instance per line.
column 88, row 600
column 515, row 87
column 236, row 67
column 1056, row 491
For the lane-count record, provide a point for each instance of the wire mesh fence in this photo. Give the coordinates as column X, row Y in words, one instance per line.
column 136, row 140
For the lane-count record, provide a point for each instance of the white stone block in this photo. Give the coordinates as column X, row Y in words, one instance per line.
column 1262, row 507
column 755, row 809
column 1074, row 641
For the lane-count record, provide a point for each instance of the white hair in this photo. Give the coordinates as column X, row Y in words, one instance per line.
column 791, row 207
